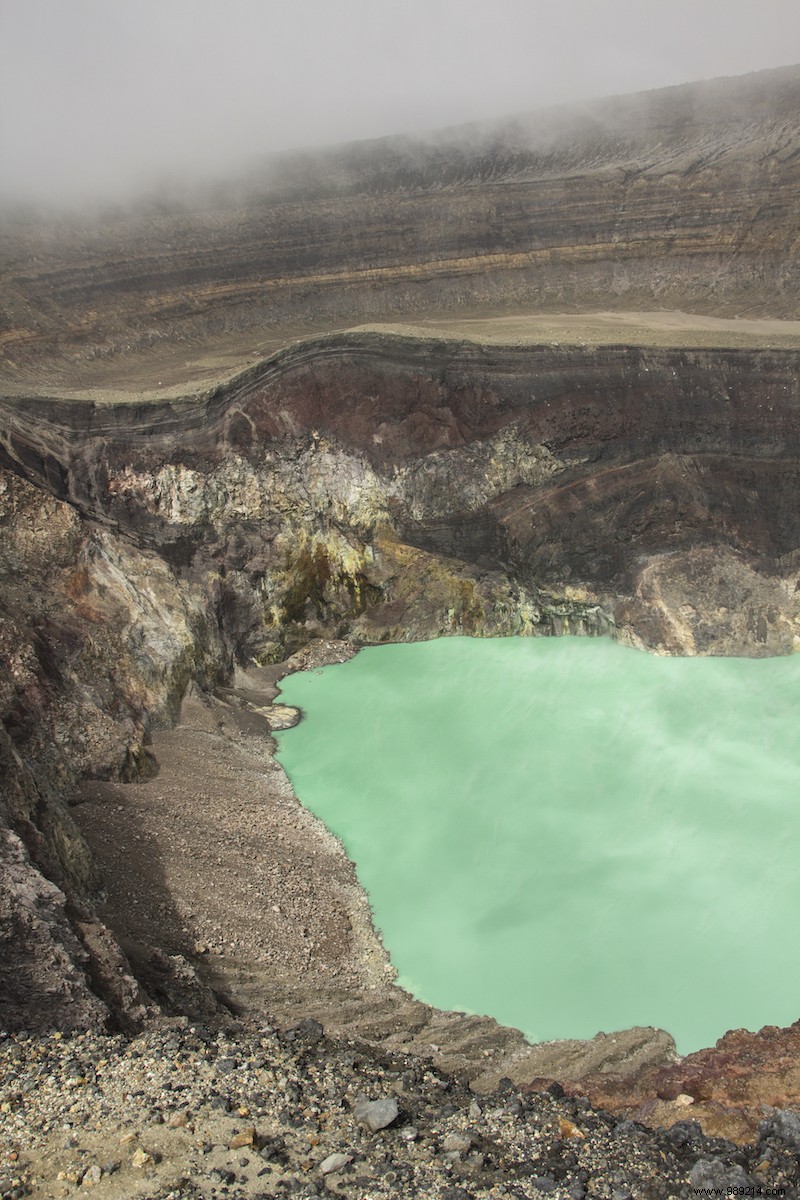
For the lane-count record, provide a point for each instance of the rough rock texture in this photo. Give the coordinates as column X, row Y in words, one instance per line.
column 727, row 1088
column 184, row 1112
column 579, row 487
column 97, row 643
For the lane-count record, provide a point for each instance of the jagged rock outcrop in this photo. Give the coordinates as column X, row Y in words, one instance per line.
column 727, row 1088
column 543, row 488
column 97, row 643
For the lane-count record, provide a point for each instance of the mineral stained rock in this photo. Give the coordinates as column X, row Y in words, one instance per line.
column 547, row 488
column 728, row 1087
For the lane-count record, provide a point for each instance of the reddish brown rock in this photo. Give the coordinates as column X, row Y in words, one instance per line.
column 729, row 1088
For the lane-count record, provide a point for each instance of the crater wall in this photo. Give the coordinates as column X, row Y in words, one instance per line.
column 683, row 197
column 553, row 478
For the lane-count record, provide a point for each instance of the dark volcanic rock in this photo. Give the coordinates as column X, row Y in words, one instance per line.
column 198, row 1140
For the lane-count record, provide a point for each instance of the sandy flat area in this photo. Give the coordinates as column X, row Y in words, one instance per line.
column 193, row 369
column 658, row 328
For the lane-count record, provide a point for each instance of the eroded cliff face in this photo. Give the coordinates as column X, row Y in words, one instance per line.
column 383, row 487
column 98, row 642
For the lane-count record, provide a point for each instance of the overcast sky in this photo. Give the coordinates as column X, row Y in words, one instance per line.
column 105, row 96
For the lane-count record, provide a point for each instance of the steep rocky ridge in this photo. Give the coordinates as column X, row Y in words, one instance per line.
column 98, row 643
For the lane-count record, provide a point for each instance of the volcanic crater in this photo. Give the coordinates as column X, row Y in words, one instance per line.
column 529, row 378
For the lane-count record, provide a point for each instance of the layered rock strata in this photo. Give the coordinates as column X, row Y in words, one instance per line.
column 679, row 198
column 537, row 488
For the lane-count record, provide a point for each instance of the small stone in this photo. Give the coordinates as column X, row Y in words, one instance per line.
column 239, row 1140
column 568, row 1129
column 684, row 1099
column 221, row 1175
column 141, row 1158
column 377, row 1114
column 309, row 1031
column 784, row 1125
column 334, row 1162
column 93, row 1176
column 710, row 1173
column 683, row 1133
column 178, row 1120
column 459, row 1143
column 127, row 1139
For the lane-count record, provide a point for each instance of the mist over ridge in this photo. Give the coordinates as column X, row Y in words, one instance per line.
column 651, row 131
column 681, row 198
column 108, row 103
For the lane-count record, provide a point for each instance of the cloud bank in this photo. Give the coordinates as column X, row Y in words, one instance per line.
column 106, row 99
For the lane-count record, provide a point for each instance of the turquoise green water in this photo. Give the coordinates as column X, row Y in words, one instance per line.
column 565, row 833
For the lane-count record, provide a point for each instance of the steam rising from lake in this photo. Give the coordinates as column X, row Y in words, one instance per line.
column 567, row 834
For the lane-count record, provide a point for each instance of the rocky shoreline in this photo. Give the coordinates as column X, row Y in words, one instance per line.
column 260, row 985
column 185, row 1111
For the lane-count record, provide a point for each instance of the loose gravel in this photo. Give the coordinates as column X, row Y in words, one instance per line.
column 188, row 1111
